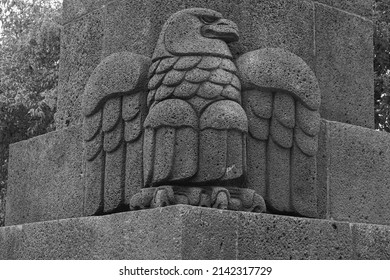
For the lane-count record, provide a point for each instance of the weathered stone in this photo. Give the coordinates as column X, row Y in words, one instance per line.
column 272, row 23
column 209, row 234
column 111, row 78
column 359, row 7
column 352, row 161
column 344, row 54
column 274, row 68
column 127, row 28
column 371, row 241
column 278, row 175
column 185, row 90
column 45, row 178
column 74, row 9
column 276, row 237
column 213, row 130
column 81, row 47
column 276, row 84
column 186, row 232
column 130, row 235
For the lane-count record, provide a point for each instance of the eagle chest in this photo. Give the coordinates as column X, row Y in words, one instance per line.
column 200, row 80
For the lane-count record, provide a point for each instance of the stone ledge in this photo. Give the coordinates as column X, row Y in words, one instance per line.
column 186, row 232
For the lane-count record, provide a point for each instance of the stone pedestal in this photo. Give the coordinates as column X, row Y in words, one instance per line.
column 185, row 232
column 46, row 180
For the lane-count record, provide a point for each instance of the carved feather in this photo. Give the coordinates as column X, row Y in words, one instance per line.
column 166, row 64
column 113, row 138
column 187, row 62
column 133, row 129
column 111, row 113
column 209, row 63
column 308, row 120
column 93, row 147
column 130, row 106
column 186, row 90
column 114, row 112
column 153, row 68
column 92, row 125
column 286, row 109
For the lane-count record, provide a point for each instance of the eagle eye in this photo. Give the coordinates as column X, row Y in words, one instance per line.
column 208, row 19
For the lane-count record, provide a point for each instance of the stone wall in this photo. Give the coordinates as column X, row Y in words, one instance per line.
column 333, row 37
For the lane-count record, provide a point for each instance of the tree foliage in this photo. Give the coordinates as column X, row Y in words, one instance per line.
column 29, row 63
column 381, row 19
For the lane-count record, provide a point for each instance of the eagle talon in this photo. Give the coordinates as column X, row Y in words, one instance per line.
column 163, row 196
column 220, row 198
column 222, row 201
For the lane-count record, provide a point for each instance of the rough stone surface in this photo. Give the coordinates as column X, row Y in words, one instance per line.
column 127, row 28
column 283, row 23
column 74, row 9
column 278, row 237
column 135, row 26
column 359, row 7
column 209, row 234
column 352, row 163
column 133, row 235
column 277, row 68
column 371, row 241
column 281, row 97
column 45, row 178
column 192, row 54
column 81, row 47
column 114, row 108
column 186, row 232
column 344, row 54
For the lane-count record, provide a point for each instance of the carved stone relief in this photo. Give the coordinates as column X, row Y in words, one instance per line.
column 192, row 126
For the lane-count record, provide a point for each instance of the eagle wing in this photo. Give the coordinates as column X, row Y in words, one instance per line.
column 282, row 98
column 114, row 108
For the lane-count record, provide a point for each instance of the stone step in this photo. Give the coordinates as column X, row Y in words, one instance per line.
column 187, row 232
column 46, row 179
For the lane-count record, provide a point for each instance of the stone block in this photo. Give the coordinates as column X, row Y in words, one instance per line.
column 128, row 27
column 45, row 178
column 74, row 9
column 279, row 237
column 209, row 234
column 270, row 23
column 81, row 45
column 132, row 235
column 187, row 232
column 371, row 241
column 353, row 163
column 359, row 7
column 344, row 68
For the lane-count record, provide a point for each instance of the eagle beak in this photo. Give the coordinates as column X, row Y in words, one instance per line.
column 223, row 29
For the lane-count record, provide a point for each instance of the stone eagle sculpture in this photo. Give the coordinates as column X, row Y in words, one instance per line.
column 193, row 126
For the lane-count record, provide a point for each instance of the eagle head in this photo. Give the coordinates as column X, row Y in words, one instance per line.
column 196, row 31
